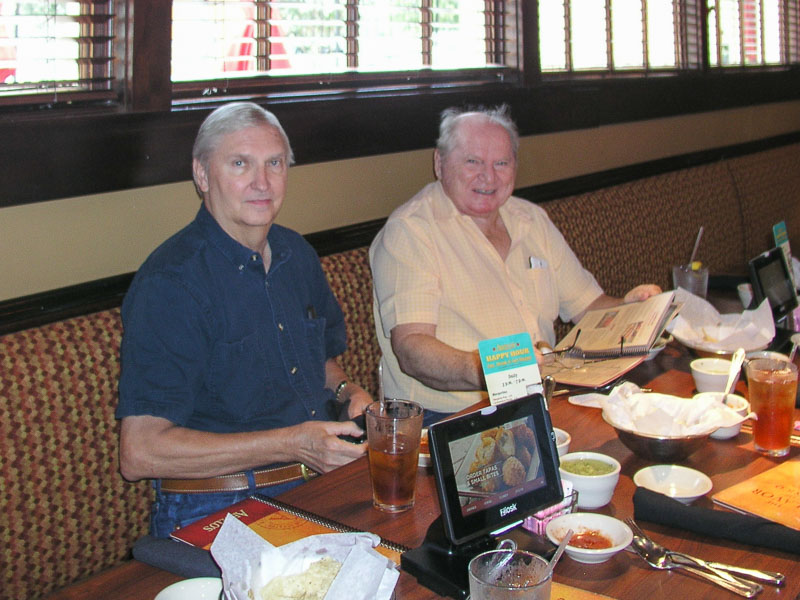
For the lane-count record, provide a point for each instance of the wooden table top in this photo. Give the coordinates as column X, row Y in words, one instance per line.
column 345, row 495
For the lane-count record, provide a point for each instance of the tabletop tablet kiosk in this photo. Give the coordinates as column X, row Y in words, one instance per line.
column 771, row 279
column 493, row 467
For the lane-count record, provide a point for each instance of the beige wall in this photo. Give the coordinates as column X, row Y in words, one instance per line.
column 63, row 242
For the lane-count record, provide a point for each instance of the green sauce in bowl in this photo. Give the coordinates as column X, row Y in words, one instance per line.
column 587, row 467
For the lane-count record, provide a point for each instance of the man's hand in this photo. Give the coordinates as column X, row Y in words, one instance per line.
column 359, row 400
column 642, row 292
column 318, row 446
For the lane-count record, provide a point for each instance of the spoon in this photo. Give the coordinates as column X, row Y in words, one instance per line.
column 559, row 551
column 736, row 364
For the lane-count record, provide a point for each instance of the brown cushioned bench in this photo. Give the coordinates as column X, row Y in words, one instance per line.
column 66, row 513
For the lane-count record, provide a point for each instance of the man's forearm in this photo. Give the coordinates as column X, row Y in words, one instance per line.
column 439, row 365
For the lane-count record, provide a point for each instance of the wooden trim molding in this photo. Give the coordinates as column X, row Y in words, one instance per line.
column 46, row 307
column 67, row 152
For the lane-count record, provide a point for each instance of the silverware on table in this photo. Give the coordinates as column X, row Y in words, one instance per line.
column 770, row 577
column 659, row 557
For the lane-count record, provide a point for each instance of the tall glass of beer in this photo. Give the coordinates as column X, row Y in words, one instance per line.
column 772, row 386
column 393, row 435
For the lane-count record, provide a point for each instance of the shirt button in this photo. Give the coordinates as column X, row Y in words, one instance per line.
column 280, row 326
column 294, row 370
column 254, row 258
column 313, row 413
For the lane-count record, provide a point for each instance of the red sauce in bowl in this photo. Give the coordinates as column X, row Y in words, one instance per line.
column 590, row 540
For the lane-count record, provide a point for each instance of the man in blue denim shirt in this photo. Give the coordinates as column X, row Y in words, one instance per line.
column 231, row 334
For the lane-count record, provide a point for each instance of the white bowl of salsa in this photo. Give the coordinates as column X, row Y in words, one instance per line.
column 595, row 538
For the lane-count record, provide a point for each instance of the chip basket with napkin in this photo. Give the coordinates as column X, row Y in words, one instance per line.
column 336, row 566
column 702, row 328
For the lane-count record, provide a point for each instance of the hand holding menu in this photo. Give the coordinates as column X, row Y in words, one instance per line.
column 613, row 340
column 624, row 330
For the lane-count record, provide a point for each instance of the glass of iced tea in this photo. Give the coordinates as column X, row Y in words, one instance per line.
column 393, row 435
column 772, row 387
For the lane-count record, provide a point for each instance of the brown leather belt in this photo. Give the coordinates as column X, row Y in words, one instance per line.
column 237, row 482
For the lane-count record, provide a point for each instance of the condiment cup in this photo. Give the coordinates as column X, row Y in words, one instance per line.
column 711, row 374
column 734, row 402
column 562, row 441
column 614, row 530
column 594, row 491
column 682, row 483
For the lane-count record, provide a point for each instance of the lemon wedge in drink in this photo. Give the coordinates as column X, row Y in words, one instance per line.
column 696, row 265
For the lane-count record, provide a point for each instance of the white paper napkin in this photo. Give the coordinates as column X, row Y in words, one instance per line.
column 248, row 562
column 699, row 325
column 663, row 414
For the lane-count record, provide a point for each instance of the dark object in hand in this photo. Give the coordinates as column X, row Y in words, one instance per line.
column 337, row 411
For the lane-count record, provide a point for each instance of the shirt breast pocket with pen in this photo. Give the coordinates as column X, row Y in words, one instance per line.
column 540, row 289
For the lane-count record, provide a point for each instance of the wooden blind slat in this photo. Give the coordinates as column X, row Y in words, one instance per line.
column 57, row 46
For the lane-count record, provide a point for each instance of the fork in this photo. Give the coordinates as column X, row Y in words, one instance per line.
column 770, row 577
column 659, row 557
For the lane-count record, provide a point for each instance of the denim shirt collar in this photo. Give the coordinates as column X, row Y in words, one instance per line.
column 240, row 256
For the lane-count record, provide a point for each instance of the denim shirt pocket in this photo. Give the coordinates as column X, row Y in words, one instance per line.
column 238, row 379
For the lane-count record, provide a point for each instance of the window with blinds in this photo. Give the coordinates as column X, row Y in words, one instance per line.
column 619, row 35
column 752, row 32
column 56, row 48
column 230, row 39
column 606, row 36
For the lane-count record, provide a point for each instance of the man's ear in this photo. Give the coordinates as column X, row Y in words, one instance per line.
column 200, row 176
column 437, row 164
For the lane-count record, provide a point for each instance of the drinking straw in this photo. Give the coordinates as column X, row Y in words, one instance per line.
column 696, row 245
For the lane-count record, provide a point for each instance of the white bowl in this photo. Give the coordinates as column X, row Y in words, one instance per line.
column 658, row 346
column 562, row 441
column 615, row 530
column 199, row 588
column 766, row 354
column 594, row 491
column 682, row 483
column 711, row 374
column 735, row 402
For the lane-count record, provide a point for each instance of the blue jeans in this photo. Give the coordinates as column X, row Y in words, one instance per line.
column 171, row 511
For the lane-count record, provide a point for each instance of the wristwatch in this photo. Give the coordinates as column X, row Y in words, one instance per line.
column 339, row 389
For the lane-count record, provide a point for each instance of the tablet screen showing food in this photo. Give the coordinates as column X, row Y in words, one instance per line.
column 495, row 466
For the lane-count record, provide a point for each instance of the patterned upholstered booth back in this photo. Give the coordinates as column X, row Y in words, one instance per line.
column 768, row 185
column 65, row 512
column 351, row 280
column 634, row 232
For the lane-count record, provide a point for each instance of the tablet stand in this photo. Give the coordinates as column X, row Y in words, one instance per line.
column 440, row 565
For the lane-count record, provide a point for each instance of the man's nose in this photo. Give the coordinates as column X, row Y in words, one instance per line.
column 261, row 178
column 488, row 172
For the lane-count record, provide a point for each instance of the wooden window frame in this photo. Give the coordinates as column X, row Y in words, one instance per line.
column 145, row 141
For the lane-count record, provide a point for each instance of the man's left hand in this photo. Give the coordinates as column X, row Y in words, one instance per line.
column 642, row 292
